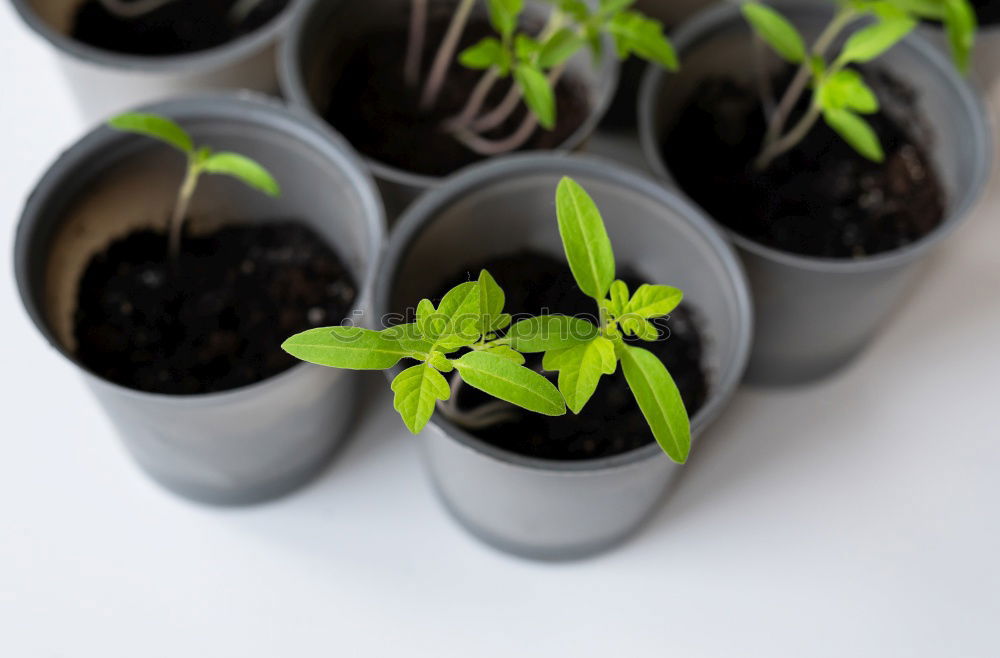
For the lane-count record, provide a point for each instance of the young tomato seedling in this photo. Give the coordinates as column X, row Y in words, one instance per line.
column 469, row 337
column 200, row 160
column 535, row 63
column 840, row 95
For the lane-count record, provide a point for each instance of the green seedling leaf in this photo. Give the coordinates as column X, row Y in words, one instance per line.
column 156, row 127
column 504, row 15
column 576, row 9
column 638, row 327
column 776, row 31
column 636, row 34
column 611, row 7
column 440, row 361
column 510, row 382
column 869, row 42
column 619, row 297
column 352, row 348
column 525, row 48
column 558, row 48
column 651, row 301
column 538, row 94
column 960, row 24
column 417, row 390
column 550, row 332
column 585, row 240
column 580, row 369
column 244, row 169
column 460, row 310
column 506, row 352
column 660, row 401
column 846, row 90
column 430, row 323
column 488, row 52
column 491, row 302
column 855, row 132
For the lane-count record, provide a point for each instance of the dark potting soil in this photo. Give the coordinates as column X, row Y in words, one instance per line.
column 379, row 113
column 215, row 319
column 181, row 26
column 988, row 11
column 611, row 422
column 821, row 198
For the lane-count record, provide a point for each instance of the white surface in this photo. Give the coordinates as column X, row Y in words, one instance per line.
column 857, row 518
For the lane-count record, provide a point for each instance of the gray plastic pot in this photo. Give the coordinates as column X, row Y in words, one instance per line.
column 105, row 82
column 325, row 33
column 238, row 446
column 549, row 509
column 814, row 314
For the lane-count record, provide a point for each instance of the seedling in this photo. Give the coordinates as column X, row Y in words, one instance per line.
column 839, row 93
column 469, row 337
column 534, row 63
column 200, row 160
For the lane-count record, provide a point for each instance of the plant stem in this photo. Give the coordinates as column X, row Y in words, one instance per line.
column 181, row 209
column 765, row 90
column 788, row 142
column 415, row 44
column 501, row 112
column 445, row 54
column 133, row 9
column 801, row 79
column 476, row 99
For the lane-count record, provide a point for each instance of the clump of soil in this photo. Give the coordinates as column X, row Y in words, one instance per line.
column 820, row 199
column 374, row 107
column 181, row 26
column 611, row 422
column 216, row 318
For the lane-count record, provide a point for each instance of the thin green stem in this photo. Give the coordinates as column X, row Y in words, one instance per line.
column 798, row 85
column 790, row 140
column 176, row 227
column 445, row 54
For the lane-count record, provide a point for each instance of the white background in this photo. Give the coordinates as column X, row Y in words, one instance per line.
column 854, row 518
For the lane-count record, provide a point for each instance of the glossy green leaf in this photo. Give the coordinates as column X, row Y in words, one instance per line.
column 580, row 369
column 510, row 382
column 640, row 328
column 460, row 310
column 847, row 90
column 644, row 37
column 157, row 127
column 504, row 15
column 244, row 169
column 558, row 48
column 430, row 323
column 660, row 401
column 856, row 132
column 550, row 332
column 506, row 352
column 417, row 390
column 651, row 301
column 352, row 348
column 585, row 240
column 491, row 303
column 482, row 55
column 619, row 297
column 538, row 94
column 776, row 31
column 440, row 361
column 869, row 42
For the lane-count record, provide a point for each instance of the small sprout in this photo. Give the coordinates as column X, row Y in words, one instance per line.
column 534, row 63
column 840, row 95
column 469, row 337
column 199, row 160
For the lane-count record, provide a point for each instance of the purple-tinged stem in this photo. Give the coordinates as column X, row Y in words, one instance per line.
column 445, row 54
column 415, row 44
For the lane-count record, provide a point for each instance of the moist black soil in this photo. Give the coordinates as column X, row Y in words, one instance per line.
column 379, row 113
column 182, row 26
column 216, row 318
column 820, row 199
column 988, row 11
column 611, row 422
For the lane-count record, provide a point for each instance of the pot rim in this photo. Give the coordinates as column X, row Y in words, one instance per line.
column 264, row 111
column 423, row 212
column 201, row 61
column 710, row 20
column 293, row 87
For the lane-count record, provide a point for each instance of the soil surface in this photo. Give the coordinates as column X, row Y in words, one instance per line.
column 182, row 26
column 213, row 321
column 379, row 113
column 988, row 11
column 611, row 422
column 820, row 199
